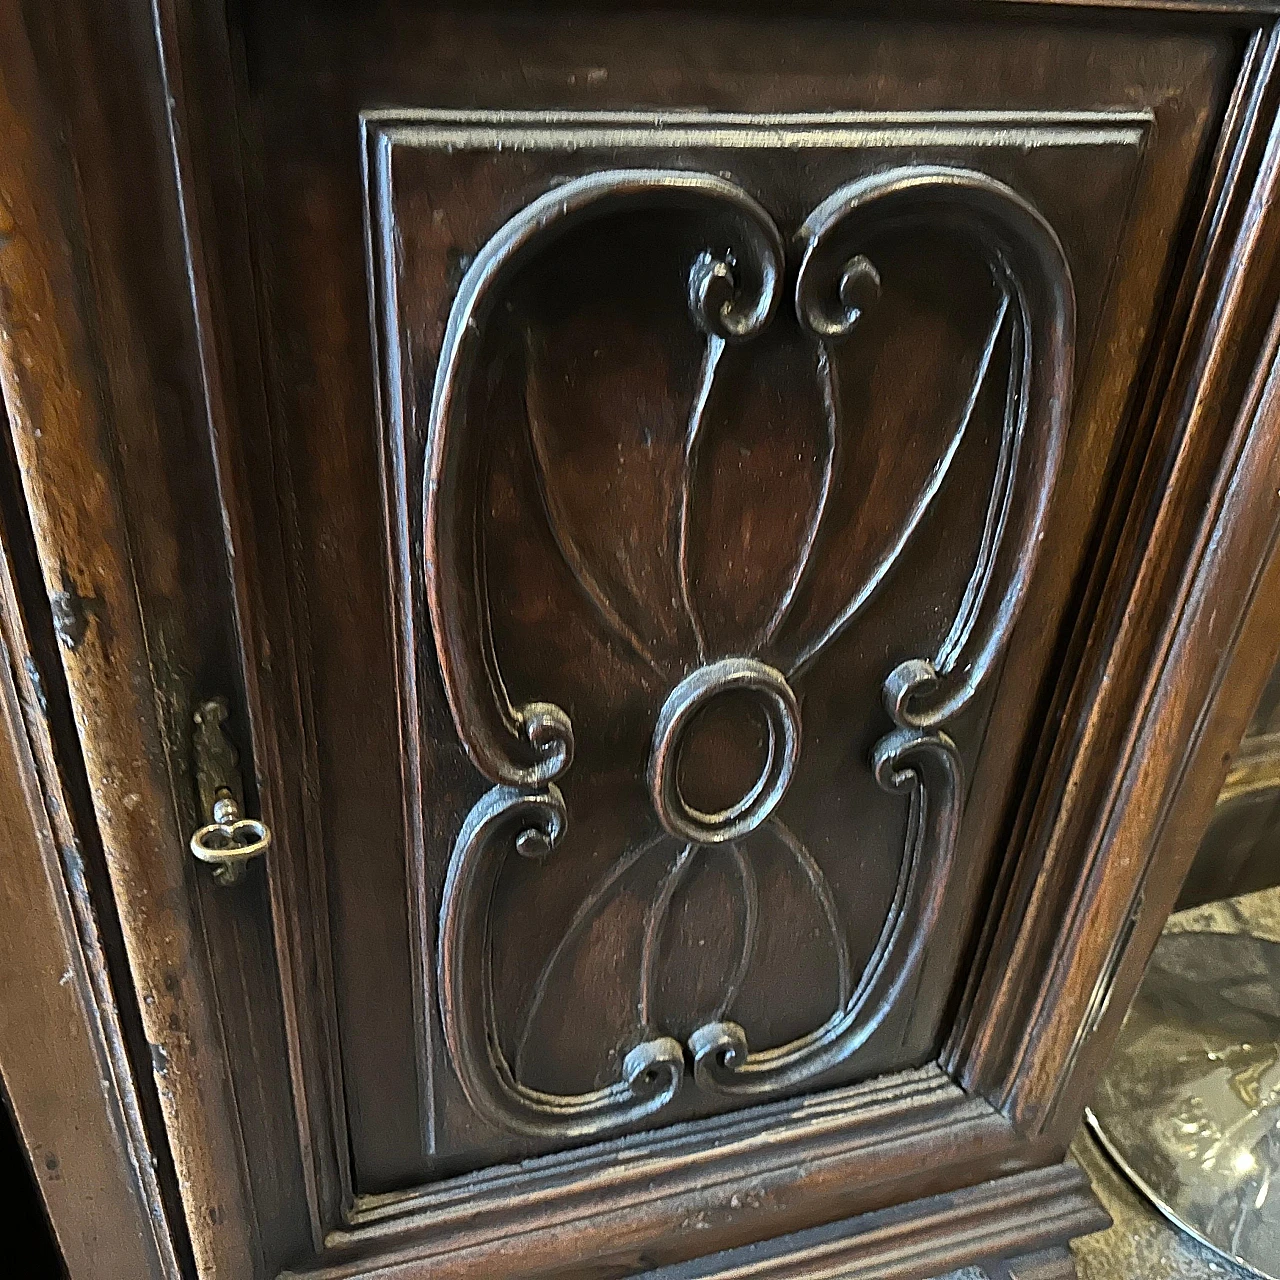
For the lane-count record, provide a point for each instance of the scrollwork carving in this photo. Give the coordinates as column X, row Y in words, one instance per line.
column 530, row 822
column 1026, row 259
column 733, row 291
column 730, row 301
column 926, row 768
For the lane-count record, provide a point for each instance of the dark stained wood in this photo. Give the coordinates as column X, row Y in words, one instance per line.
column 1166, row 617
column 309, row 215
column 65, row 1059
column 66, row 391
column 525, row 418
column 828, row 581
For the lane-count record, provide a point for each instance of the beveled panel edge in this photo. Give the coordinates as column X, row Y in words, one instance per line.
column 1211, row 8
column 379, row 250
column 773, row 1168
column 905, row 1091
column 378, row 1224
column 580, row 130
column 384, row 129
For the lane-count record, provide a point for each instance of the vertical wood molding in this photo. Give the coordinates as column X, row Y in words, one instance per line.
column 1092, row 894
column 49, row 371
column 203, row 137
column 77, row 1109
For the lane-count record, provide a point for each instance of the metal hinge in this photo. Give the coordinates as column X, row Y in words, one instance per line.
column 228, row 840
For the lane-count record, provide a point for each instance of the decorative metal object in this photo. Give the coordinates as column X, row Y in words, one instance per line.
column 228, row 841
column 524, row 747
column 1190, row 1104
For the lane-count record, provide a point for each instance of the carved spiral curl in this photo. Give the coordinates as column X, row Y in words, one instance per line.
column 719, row 1050
column 721, row 307
column 549, row 733
column 915, row 678
column 653, row 1070
column 834, row 294
column 927, row 768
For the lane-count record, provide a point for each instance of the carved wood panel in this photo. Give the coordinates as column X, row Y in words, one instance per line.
column 722, row 450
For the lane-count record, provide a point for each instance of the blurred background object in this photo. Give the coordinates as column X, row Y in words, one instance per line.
column 1240, row 853
column 1190, row 1104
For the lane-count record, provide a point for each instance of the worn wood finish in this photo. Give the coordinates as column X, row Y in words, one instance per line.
column 997, row 1222
column 95, row 397
column 543, row 427
column 78, row 1108
column 202, row 133
column 288, row 112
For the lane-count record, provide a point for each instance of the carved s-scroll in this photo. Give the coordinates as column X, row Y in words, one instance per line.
column 503, row 819
column 524, row 748
column 530, row 745
column 926, row 768
column 1026, row 260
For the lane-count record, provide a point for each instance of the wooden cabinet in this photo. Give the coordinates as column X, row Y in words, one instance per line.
column 735, row 541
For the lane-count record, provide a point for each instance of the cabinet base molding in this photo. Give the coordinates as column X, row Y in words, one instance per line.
column 1013, row 1228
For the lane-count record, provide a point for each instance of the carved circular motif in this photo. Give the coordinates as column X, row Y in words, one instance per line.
column 781, row 712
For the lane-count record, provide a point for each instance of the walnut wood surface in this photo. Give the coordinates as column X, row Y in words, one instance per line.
column 526, row 419
column 910, row 1243
column 1141, row 190
column 65, row 1051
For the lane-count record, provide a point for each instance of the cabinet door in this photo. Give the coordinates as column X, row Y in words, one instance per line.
column 682, row 474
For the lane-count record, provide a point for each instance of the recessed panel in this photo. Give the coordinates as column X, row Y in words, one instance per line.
column 723, row 450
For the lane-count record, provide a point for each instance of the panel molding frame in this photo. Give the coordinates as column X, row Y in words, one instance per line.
column 416, row 1233
column 524, row 749
column 689, row 1189
column 386, row 128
